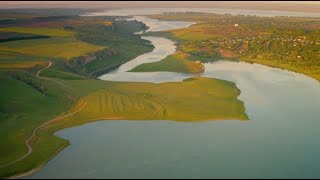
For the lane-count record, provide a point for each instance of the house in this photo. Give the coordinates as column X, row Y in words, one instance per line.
column 236, row 25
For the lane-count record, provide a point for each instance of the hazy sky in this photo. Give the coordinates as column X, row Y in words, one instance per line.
column 306, row 6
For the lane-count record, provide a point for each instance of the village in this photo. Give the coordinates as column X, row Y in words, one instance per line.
column 279, row 45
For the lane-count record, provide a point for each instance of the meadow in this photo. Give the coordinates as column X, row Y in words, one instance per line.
column 50, row 48
column 26, row 102
column 39, row 31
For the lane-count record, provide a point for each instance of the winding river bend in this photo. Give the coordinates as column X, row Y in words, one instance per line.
column 280, row 141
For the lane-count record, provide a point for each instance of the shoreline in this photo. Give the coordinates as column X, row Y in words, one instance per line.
column 32, row 171
column 281, row 68
column 36, row 169
column 42, row 165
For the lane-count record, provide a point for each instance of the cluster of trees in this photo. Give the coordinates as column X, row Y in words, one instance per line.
column 29, row 79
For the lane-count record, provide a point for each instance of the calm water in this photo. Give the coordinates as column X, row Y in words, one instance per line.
column 281, row 140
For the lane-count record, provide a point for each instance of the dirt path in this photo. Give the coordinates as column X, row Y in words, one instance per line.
column 35, row 131
column 38, row 73
column 45, row 78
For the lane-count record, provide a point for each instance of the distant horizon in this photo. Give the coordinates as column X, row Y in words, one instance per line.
column 298, row 6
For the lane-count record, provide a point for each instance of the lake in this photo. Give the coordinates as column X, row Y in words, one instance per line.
column 281, row 139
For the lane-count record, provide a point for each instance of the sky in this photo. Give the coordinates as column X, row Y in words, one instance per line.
column 303, row 6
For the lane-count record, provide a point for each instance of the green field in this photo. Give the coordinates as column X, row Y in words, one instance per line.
column 39, row 31
column 11, row 63
column 50, row 48
column 14, row 16
column 60, row 74
column 203, row 99
column 26, row 102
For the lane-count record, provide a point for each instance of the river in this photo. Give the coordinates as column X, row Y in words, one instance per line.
column 281, row 139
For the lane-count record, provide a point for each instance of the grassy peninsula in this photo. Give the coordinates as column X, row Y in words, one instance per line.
column 178, row 62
